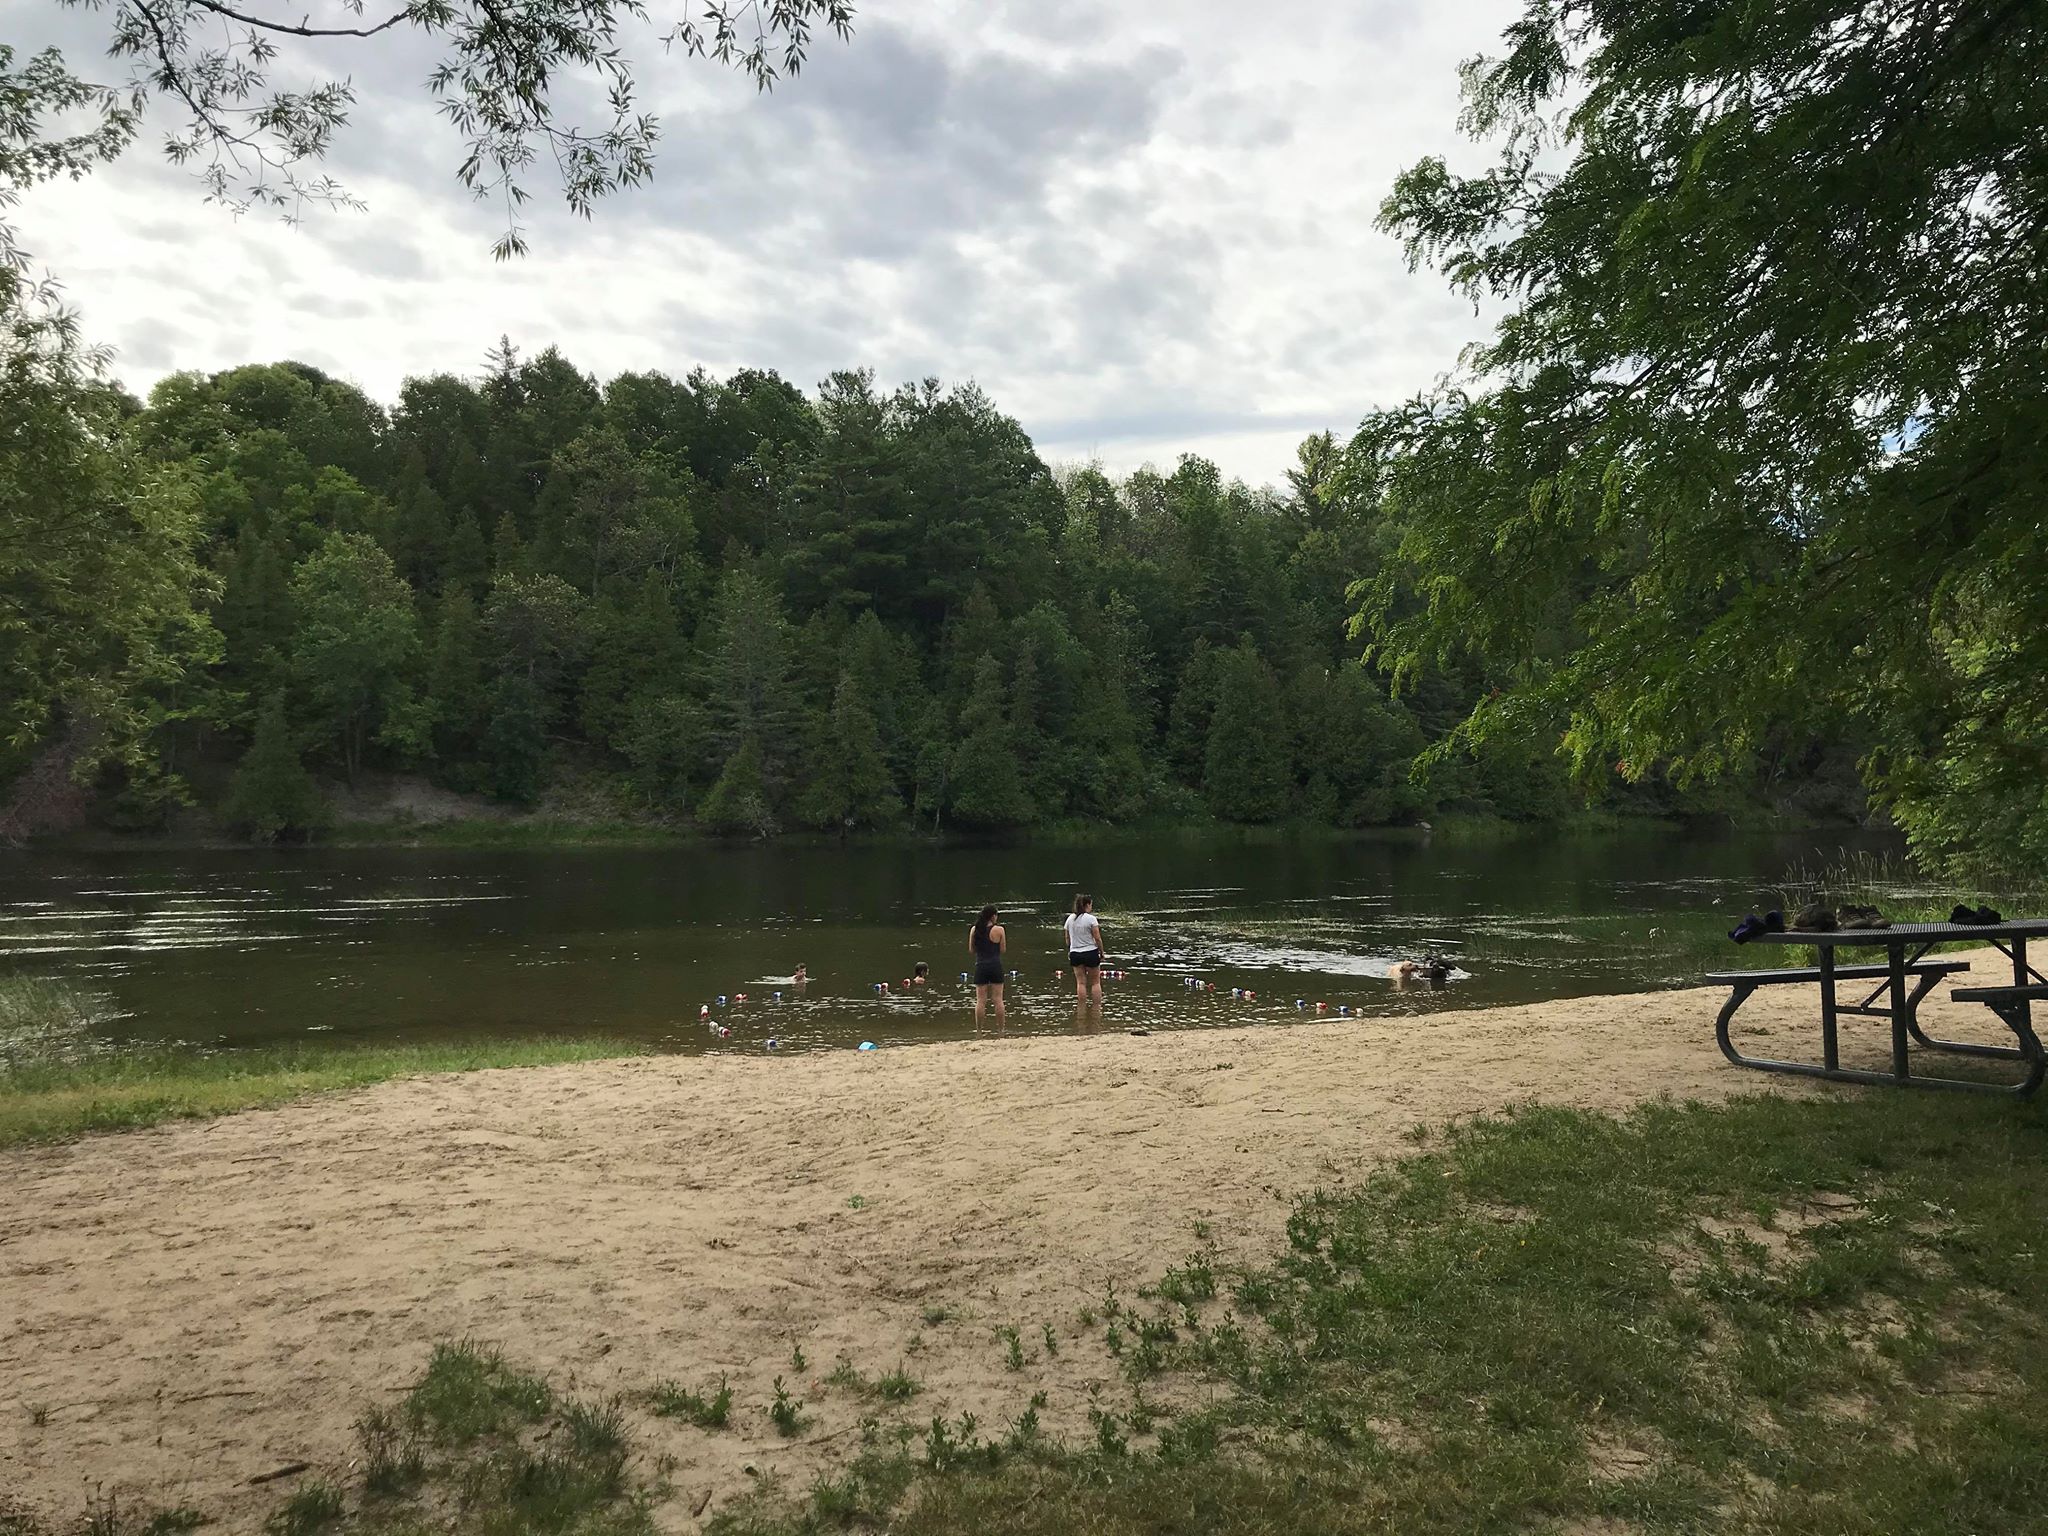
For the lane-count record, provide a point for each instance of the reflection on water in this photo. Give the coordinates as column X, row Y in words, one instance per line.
column 236, row 948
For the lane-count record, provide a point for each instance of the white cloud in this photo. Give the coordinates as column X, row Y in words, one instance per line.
column 1144, row 229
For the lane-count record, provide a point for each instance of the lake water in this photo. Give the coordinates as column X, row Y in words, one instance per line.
column 235, row 948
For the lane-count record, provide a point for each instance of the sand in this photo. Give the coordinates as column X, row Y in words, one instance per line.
column 191, row 1307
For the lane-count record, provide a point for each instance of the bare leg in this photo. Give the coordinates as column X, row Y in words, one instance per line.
column 980, row 1004
column 1080, row 981
column 1095, row 984
column 1002, row 1013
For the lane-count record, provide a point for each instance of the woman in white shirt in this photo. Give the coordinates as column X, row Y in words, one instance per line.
column 1084, row 949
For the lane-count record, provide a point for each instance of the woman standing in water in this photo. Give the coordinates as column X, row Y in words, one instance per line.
column 1084, row 950
column 986, row 942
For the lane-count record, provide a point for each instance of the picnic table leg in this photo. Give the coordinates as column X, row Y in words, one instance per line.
column 1828, row 1050
column 1901, row 1010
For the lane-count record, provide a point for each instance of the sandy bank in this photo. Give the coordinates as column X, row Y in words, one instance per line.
column 189, row 1307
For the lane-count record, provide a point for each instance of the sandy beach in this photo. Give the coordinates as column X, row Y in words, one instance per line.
column 191, row 1307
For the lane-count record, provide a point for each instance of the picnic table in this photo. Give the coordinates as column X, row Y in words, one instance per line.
column 1904, row 977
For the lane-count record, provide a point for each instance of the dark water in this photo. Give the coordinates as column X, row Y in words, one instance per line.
column 236, row 948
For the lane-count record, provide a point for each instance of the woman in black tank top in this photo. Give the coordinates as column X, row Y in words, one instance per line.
column 986, row 943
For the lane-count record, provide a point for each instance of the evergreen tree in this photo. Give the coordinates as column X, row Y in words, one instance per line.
column 848, row 783
column 455, row 685
column 739, row 801
column 271, row 797
column 1247, row 769
column 753, row 696
column 663, row 739
column 985, row 785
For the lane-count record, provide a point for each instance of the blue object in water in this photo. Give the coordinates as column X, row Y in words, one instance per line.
column 778, row 997
column 867, row 1045
column 721, row 999
column 774, row 1044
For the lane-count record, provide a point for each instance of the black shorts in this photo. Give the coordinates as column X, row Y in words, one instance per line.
column 1085, row 959
column 988, row 973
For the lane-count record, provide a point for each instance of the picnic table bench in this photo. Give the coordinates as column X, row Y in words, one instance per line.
column 1906, row 946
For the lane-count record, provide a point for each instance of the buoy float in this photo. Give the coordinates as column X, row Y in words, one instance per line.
column 963, row 975
column 704, row 1011
column 867, row 1045
column 1251, row 997
column 774, row 1044
column 1300, row 1003
column 777, row 996
column 721, row 999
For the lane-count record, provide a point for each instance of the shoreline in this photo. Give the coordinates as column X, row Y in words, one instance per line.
column 203, row 1302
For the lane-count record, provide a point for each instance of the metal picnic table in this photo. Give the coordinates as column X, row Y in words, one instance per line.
column 1906, row 946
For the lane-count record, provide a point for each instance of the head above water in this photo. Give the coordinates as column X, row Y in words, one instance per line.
column 1083, row 904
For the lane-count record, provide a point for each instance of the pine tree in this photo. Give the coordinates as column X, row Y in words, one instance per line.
column 739, row 801
column 468, row 560
column 848, row 783
column 1247, row 772
column 271, row 797
column 987, row 787
column 455, row 683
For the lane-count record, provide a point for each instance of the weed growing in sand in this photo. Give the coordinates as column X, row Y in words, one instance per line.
column 1013, row 1347
column 935, row 1315
column 102, row 1512
column 39, row 1415
column 316, row 1505
column 898, row 1386
column 787, row 1412
column 857, row 1202
column 477, row 1446
column 796, row 1358
column 468, row 1392
column 1110, row 1439
column 1052, row 1341
column 394, row 1458
column 847, row 1377
column 705, row 1410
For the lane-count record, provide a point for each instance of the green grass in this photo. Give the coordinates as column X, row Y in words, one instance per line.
column 55, row 1097
column 706, row 1410
column 1794, row 1318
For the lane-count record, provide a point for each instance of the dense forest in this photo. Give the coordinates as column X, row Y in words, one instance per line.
column 719, row 602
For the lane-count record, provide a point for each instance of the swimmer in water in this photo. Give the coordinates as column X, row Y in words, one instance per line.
column 800, row 977
column 921, row 975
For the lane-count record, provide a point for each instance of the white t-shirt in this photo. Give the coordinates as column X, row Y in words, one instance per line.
column 1083, row 933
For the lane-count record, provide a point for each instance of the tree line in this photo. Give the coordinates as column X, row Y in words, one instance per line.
column 716, row 600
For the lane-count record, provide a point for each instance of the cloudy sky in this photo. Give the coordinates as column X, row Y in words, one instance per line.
column 1144, row 226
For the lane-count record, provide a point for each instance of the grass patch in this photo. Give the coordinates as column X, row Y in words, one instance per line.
column 481, row 1447
column 706, row 1410
column 1794, row 1318
column 54, row 1099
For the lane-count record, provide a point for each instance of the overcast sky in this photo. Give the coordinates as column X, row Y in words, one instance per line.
column 1144, row 228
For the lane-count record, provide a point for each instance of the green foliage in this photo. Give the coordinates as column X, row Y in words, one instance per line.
column 272, row 797
column 101, row 596
column 354, row 640
column 1248, row 765
column 986, row 782
column 1753, row 453
column 715, row 601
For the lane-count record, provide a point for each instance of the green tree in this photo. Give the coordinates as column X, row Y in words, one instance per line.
column 100, row 589
column 272, row 798
column 354, row 643
column 985, row 785
column 455, row 686
column 752, row 689
column 848, row 783
column 739, row 801
column 1761, row 435
column 1248, row 769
